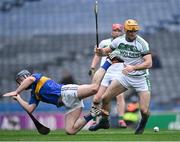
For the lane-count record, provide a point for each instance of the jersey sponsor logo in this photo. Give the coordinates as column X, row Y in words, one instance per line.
column 128, row 47
column 129, row 51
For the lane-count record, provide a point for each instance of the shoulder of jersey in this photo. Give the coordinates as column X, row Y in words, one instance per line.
column 119, row 38
column 141, row 40
column 106, row 40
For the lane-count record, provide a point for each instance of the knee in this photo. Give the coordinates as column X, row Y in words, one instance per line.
column 105, row 100
column 96, row 99
column 95, row 88
column 70, row 132
column 120, row 99
column 145, row 110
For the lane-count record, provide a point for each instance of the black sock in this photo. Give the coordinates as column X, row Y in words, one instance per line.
column 88, row 117
column 145, row 116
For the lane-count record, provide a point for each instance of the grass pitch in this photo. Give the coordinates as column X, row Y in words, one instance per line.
column 101, row 135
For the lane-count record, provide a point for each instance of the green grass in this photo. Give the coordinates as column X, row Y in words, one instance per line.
column 101, row 135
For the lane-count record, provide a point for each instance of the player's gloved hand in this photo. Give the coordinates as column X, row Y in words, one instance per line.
column 91, row 71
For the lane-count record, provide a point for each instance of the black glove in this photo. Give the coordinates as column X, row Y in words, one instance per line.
column 91, row 71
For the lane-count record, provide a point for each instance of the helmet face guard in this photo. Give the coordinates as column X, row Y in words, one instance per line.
column 131, row 25
column 22, row 75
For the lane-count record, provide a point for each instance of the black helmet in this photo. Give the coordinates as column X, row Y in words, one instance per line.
column 22, row 73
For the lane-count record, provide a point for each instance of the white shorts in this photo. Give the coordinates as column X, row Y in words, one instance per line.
column 139, row 83
column 113, row 71
column 70, row 98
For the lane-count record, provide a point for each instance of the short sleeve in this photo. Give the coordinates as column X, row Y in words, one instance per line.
column 114, row 44
column 37, row 77
column 101, row 44
column 33, row 100
column 145, row 49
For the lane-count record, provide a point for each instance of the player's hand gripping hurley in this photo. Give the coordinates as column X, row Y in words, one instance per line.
column 40, row 127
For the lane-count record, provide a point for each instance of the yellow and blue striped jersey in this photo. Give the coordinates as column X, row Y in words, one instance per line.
column 44, row 89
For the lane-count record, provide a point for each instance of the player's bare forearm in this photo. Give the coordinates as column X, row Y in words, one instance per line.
column 25, row 84
column 102, row 51
column 10, row 94
column 28, row 107
column 95, row 61
column 146, row 64
column 106, row 51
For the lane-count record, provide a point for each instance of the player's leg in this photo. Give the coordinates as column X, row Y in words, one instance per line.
column 97, row 97
column 74, row 122
column 144, row 107
column 121, row 110
column 99, row 74
column 104, row 84
column 89, row 90
column 97, row 100
column 143, row 87
column 85, row 91
column 112, row 91
column 70, row 121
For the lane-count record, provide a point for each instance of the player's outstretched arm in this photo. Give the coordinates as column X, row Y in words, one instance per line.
column 10, row 94
column 24, row 85
column 26, row 106
column 95, row 61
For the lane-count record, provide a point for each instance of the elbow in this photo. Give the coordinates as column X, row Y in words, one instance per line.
column 31, row 79
column 149, row 65
column 95, row 88
column 30, row 110
column 70, row 131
